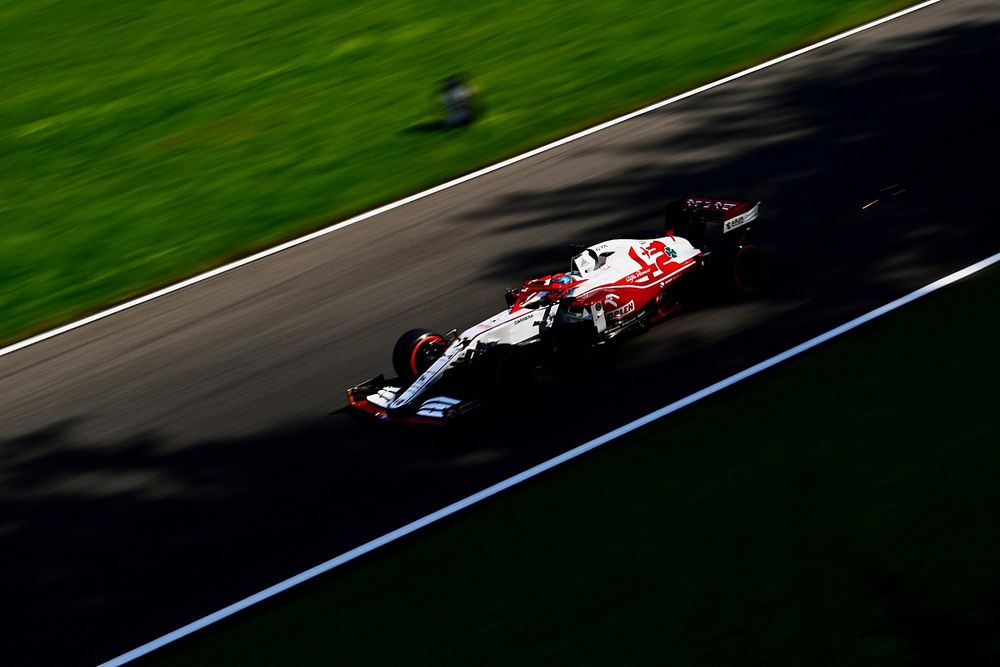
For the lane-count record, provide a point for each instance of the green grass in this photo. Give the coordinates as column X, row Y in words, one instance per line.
column 841, row 509
column 142, row 141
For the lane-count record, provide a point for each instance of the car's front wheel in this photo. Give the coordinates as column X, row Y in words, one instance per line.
column 415, row 351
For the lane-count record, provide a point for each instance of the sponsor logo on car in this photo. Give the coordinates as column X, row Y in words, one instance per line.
column 632, row 277
column 738, row 221
column 623, row 311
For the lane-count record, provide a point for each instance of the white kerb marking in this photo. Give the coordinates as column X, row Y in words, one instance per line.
column 542, row 467
column 450, row 184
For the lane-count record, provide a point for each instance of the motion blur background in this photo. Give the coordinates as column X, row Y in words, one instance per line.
column 160, row 464
column 143, row 141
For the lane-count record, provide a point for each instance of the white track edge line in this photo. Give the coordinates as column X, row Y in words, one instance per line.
column 546, row 465
column 225, row 268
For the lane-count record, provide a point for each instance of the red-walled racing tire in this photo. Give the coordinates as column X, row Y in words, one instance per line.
column 415, row 351
column 748, row 269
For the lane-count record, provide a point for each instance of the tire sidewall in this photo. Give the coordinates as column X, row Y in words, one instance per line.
column 404, row 353
column 748, row 269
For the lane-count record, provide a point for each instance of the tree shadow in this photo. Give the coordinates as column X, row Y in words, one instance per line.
column 934, row 635
column 815, row 147
column 116, row 542
column 106, row 545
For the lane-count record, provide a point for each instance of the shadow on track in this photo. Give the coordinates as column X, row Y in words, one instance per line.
column 815, row 147
column 106, row 545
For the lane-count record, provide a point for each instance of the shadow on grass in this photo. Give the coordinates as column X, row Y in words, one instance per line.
column 429, row 127
column 108, row 544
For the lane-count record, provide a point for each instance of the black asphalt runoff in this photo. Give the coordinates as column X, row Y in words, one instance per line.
column 162, row 463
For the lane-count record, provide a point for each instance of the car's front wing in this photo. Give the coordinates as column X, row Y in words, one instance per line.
column 374, row 397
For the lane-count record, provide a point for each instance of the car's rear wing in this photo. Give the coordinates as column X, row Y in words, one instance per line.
column 702, row 220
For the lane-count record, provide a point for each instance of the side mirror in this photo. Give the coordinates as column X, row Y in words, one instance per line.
column 509, row 297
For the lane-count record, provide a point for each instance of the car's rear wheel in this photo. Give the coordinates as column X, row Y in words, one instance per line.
column 749, row 268
column 415, row 351
column 734, row 270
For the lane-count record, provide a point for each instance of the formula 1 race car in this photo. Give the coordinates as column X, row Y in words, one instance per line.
column 612, row 288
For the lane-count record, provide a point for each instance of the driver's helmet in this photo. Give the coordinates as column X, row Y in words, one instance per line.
column 561, row 279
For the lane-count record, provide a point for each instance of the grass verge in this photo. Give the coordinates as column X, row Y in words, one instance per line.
column 143, row 141
column 840, row 509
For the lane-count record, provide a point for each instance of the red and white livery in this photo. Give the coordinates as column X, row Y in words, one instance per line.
column 613, row 287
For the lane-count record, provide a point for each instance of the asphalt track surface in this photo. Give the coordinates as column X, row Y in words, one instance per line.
column 167, row 461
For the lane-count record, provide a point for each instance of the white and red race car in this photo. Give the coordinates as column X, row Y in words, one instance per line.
column 611, row 288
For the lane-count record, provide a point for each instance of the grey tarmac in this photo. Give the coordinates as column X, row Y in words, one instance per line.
column 169, row 460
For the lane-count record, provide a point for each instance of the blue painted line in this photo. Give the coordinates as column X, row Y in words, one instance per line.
column 547, row 465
